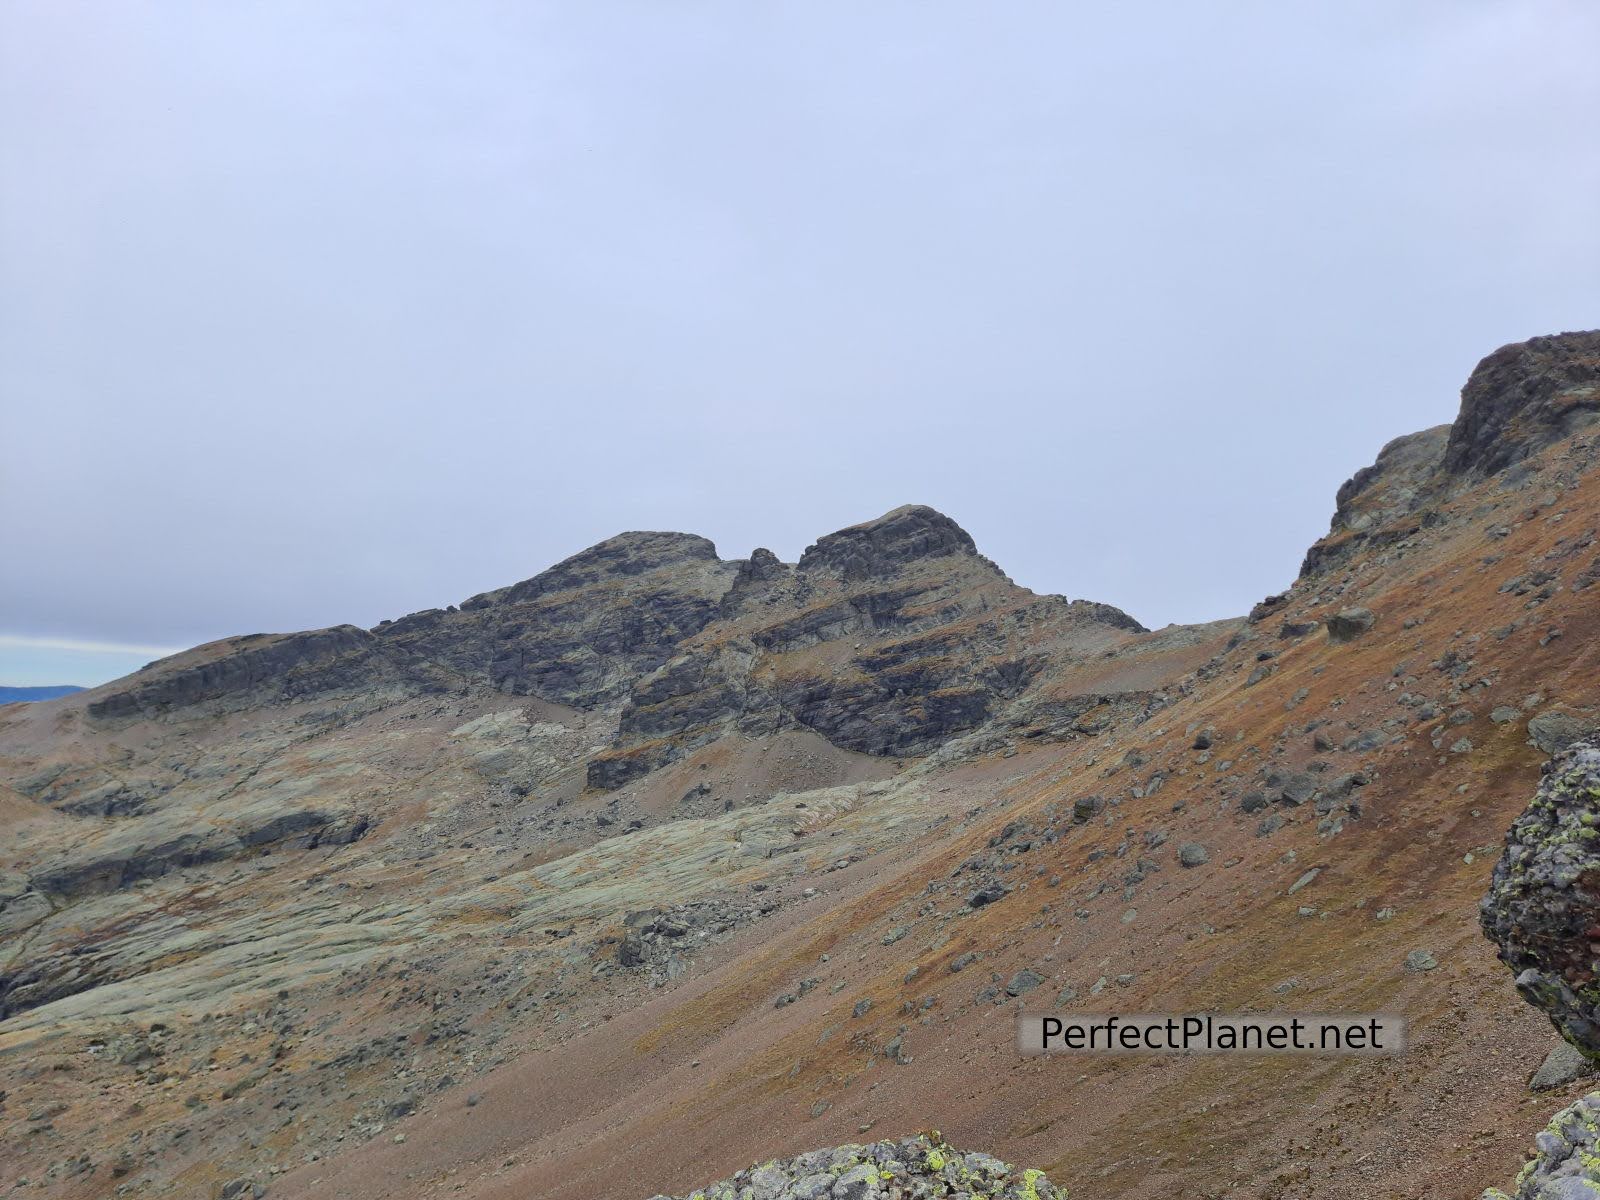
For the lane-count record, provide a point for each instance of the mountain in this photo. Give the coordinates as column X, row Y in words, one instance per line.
column 12, row 695
column 657, row 864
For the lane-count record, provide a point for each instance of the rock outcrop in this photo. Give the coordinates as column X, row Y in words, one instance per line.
column 1376, row 502
column 887, row 638
column 924, row 1167
column 245, row 671
column 20, row 904
column 1543, row 907
column 883, row 547
column 1519, row 400
column 1522, row 398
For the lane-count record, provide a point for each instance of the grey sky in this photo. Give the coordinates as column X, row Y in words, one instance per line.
column 326, row 312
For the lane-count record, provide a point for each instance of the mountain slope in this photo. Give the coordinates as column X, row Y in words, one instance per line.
column 658, row 864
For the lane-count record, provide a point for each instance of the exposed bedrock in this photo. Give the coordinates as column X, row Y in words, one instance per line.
column 883, row 546
column 175, row 839
column 255, row 668
column 1519, row 400
column 1522, row 398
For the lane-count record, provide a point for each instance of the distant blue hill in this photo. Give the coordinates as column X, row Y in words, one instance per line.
column 10, row 695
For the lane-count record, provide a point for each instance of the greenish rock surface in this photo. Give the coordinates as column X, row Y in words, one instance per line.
column 924, row 1167
column 1541, row 913
column 1543, row 909
column 1564, row 1163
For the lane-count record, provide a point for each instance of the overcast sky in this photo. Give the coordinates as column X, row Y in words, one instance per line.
column 326, row 312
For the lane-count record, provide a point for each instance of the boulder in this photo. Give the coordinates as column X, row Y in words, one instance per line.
column 1553, row 732
column 1292, row 788
column 1542, row 912
column 1193, row 854
column 1023, row 981
column 1350, row 623
column 1563, row 1065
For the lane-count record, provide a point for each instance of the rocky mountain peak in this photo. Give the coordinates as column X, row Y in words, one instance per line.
column 1522, row 398
column 626, row 554
column 881, row 547
column 1518, row 401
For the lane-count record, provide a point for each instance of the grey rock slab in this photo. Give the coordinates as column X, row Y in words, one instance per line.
column 1563, row 1065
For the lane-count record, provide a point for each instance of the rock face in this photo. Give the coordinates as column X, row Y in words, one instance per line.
column 255, row 669
column 20, row 905
column 624, row 556
column 1519, row 400
column 1378, row 496
column 881, row 548
column 1543, row 906
column 127, row 853
column 1523, row 397
column 919, row 1168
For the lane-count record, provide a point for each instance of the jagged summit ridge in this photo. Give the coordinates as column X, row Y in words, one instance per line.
column 880, row 547
column 888, row 637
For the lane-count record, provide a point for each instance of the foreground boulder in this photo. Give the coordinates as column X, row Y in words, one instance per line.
column 1543, row 913
column 1543, row 906
column 1564, row 1158
column 919, row 1168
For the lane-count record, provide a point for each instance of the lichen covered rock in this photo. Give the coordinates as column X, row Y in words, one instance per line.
column 1566, row 1160
column 1543, row 906
column 1543, row 912
column 924, row 1167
